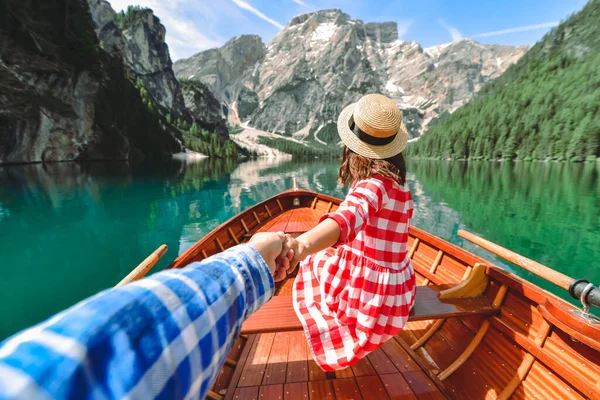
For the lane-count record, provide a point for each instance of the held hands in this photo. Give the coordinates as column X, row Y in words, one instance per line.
column 292, row 252
column 281, row 252
column 271, row 247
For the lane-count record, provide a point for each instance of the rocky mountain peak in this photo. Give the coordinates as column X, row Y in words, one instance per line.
column 333, row 15
column 145, row 48
column 324, row 60
column 382, row 32
column 107, row 31
column 146, row 55
column 243, row 51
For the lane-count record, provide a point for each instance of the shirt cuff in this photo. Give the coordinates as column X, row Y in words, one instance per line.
column 258, row 280
column 342, row 222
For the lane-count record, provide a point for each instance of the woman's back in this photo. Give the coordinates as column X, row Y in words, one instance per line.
column 383, row 239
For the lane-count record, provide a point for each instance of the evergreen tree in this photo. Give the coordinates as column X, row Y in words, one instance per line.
column 194, row 129
column 547, row 106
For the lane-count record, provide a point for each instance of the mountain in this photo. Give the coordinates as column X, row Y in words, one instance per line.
column 81, row 82
column 322, row 61
column 146, row 55
column 546, row 107
column 228, row 72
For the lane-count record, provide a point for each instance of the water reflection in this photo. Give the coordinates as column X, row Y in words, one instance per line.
column 547, row 212
column 68, row 230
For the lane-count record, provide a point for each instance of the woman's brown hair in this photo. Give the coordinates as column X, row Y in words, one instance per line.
column 357, row 168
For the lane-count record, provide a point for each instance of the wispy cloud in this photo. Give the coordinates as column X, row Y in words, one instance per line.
column 183, row 36
column 454, row 33
column 518, row 29
column 403, row 27
column 302, row 3
column 248, row 7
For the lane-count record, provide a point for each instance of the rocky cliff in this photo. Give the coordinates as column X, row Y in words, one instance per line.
column 49, row 83
column 146, row 55
column 231, row 74
column 322, row 61
column 203, row 106
column 100, row 87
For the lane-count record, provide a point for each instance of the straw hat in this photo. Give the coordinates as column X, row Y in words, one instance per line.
column 378, row 129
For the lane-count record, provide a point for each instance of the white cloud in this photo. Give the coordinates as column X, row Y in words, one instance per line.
column 454, row 33
column 518, row 29
column 302, row 3
column 183, row 36
column 248, row 7
column 403, row 27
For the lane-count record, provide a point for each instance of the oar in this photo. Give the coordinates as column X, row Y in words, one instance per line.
column 141, row 270
column 580, row 289
column 536, row 268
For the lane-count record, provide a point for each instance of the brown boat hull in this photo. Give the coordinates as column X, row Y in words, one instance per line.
column 534, row 347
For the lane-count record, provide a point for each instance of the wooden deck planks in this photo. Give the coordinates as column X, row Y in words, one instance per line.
column 303, row 219
column 371, row 388
column 346, row 389
column 246, row 393
column 315, row 373
column 254, row 369
column 297, row 366
column 286, row 287
column 275, row 372
column 226, row 374
column 381, row 363
column 277, row 223
column 279, row 366
column 422, row 386
column 363, row 368
column 295, row 391
column 397, row 387
column 241, row 363
column 400, row 358
column 271, row 392
column 344, row 373
column 320, row 390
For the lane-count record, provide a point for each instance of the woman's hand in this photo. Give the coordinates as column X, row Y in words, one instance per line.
column 269, row 245
column 324, row 235
column 292, row 252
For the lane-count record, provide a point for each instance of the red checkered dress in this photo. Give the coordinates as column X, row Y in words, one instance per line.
column 353, row 298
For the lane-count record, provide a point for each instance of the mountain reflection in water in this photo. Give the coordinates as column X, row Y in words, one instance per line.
column 68, row 230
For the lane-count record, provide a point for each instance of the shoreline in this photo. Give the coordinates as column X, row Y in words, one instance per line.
column 408, row 158
column 189, row 155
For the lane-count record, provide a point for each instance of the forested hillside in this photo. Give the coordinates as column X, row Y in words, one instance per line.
column 546, row 107
column 80, row 82
column 62, row 96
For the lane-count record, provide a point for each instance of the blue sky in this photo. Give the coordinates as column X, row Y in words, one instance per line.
column 196, row 25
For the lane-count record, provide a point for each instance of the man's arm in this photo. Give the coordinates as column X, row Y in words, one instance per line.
column 163, row 336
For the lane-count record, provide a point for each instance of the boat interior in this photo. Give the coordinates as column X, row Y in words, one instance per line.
column 476, row 331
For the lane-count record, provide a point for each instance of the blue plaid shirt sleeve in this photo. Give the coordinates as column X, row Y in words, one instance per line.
column 165, row 336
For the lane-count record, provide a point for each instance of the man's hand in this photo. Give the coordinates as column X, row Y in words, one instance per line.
column 292, row 252
column 270, row 246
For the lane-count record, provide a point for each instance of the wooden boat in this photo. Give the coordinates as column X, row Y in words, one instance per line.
column 508, row 338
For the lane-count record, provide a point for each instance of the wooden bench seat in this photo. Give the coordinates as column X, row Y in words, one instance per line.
column 278, row 314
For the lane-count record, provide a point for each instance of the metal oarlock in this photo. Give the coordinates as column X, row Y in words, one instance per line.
column 583, row 298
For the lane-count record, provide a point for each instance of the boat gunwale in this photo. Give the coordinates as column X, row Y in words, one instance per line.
column 520, row 287
column 515, row 282
column 189, row 253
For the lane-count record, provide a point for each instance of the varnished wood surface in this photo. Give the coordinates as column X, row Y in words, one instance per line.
column 572, row 323
column 529, row 347
column 387, row 373
column 557, row 278
column 278, row 314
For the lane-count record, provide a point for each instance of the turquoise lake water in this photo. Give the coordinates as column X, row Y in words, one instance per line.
column 68, row 231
